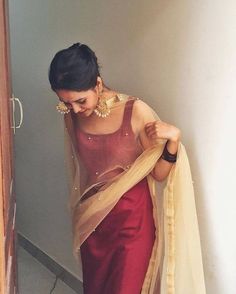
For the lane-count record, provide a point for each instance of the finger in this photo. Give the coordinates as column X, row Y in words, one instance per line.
column 153, row 127
column 149, row 130
column 150, row 124
column 154, row 124
column 152, row 134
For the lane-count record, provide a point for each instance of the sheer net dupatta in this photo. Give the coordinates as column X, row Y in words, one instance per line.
column 182, row 271
column 175, row 266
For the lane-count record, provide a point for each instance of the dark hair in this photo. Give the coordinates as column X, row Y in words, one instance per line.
column 74, row 68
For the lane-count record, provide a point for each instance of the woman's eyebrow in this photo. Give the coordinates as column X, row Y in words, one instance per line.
column 79, row 99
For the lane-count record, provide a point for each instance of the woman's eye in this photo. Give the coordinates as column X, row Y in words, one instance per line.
column 68, row 105
column 81, row 101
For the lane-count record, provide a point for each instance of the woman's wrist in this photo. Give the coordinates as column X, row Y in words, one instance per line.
column 171, row 147
column 172, row 143
column 176, row 136
column 174, row 140
column 170, row 152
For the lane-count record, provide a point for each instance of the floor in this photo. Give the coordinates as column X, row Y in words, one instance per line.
column 34, row 278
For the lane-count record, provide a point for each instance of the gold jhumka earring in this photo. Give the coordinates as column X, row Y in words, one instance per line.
column 62, row 108
column 102, row 109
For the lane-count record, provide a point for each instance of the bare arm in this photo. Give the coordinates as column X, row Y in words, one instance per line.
column 151, row 130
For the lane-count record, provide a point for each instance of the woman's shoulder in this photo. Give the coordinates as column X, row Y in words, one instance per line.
column 143, row 111
column 139, row 104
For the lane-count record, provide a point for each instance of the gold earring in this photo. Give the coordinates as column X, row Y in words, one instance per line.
column 62, row 108
column 102, row 109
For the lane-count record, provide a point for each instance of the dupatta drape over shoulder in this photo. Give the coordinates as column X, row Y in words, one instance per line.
column 175, row 266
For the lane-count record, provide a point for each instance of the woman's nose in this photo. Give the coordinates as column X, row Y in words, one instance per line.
column 76, row 108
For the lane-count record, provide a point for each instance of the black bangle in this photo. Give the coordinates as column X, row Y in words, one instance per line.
column 166, row 155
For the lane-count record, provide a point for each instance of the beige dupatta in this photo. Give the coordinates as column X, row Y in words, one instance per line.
column 175, row 266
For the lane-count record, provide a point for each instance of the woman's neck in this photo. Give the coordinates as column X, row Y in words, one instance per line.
column 108, row 93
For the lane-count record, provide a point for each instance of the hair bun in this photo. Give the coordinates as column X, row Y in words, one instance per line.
column 75, row 45
column 74, row 68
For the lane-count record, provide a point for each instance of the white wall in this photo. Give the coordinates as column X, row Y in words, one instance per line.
column 179, row 56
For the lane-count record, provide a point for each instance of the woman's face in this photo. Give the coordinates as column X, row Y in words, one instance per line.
column 83, row 102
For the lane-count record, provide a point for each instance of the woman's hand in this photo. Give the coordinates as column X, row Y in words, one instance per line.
column 161, row 130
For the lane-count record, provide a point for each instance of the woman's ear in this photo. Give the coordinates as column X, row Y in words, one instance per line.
column 99, row 84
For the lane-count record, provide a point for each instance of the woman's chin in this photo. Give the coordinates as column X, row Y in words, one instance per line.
column 86, row 113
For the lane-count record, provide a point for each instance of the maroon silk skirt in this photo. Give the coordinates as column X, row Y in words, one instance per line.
column 115, row 256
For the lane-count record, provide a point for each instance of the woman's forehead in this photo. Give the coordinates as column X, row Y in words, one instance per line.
column 71, row 95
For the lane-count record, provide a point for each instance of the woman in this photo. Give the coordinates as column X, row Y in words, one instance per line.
column 117, row 146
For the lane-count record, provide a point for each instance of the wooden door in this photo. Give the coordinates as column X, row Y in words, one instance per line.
column 8, row 262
